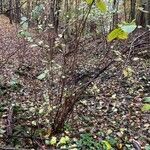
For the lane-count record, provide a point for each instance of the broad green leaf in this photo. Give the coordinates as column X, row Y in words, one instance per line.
column 113, row 34
column 123, row 35
column 108, row 146
column 128, row 28
column 117, row 33
column 146, row 107
column 147, row 99
column 53, row 140
column 64, row 140
column 122, row 31
column 24, row 33
column 101, row 5
column 89, row 2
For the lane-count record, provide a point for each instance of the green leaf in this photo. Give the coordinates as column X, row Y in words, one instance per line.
column 53, row 140
column 108, row 146
column 122, row 31
column 147, row 99
column 24, row 33
column 146, row 107
column 123, row 35
column 89, row 2
column 117, row 33
column 101, row 5
column 113, row 34
column 128, row 28
column 64, row 140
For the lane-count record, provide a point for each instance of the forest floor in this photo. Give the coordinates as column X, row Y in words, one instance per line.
column 111, row 110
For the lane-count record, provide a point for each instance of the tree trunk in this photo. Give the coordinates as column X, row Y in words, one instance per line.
column 132, row 11
column 18, row 11
column 143, row 16
column 54, row 13
column 148, row 15
column 115, row 15
column 10, row 11
column 29, row 3
column 1, row 6
column 125, row 11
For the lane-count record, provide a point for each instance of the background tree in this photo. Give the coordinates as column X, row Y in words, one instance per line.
column 1, row 6
column 143, row 13
column 132, row 11
column 115, row 14
column 17, row 11
column 10, row 11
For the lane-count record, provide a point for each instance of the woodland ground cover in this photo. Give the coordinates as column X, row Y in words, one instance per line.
column 51, row 99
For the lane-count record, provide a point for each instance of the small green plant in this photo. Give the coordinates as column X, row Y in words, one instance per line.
column 88, row 142
column 122, row 31
column 15, row 85
column 24, row 29
column 37, row 13
column 146, row 106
